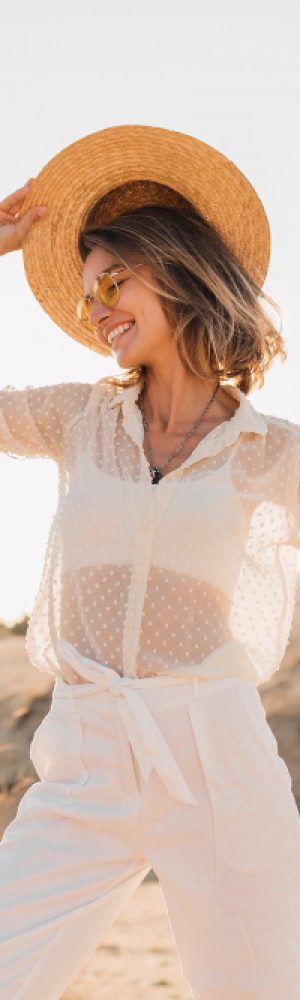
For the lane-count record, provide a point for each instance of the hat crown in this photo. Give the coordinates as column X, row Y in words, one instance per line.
column 135, row 194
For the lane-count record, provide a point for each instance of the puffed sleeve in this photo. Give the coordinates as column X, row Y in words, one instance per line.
column 33, row 420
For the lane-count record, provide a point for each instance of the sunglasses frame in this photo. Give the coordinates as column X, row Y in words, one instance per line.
column 86, row 303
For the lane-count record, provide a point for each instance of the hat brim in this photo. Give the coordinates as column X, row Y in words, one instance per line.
column 74, row 181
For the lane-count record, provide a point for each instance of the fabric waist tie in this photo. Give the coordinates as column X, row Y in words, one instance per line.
column 147, row 742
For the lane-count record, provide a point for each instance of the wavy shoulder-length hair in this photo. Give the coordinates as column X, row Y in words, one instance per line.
column 214, row 307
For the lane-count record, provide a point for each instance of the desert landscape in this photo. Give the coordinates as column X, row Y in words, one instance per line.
column 138, row 957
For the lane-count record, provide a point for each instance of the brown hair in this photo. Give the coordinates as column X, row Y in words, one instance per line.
column 216, row 309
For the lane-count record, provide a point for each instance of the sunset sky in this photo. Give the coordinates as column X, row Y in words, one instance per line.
column 227, row 73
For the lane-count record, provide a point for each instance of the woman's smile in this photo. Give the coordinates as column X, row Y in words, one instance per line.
column 119, row 336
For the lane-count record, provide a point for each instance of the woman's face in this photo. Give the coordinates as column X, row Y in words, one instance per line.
column 151, row 335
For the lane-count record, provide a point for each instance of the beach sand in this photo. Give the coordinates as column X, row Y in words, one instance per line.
column 138, row 957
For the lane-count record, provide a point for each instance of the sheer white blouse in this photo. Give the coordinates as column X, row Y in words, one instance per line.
column 195, row 575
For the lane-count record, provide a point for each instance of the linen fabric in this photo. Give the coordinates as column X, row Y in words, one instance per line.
column 88, row 831
column 193, row 576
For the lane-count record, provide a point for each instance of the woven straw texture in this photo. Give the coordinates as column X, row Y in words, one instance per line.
column 91, row 181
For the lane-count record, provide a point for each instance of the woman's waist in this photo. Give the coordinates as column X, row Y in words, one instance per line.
column 93, row 679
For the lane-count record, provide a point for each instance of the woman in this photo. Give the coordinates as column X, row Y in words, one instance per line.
column 168, row 585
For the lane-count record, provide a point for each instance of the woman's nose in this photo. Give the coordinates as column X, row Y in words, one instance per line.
column 98, row 313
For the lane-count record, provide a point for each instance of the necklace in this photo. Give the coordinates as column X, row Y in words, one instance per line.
column 155, row 471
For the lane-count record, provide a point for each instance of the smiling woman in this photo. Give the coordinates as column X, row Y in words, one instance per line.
column 168, row 583
column 213, row 307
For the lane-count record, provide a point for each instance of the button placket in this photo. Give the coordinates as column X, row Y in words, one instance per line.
column 143, row 537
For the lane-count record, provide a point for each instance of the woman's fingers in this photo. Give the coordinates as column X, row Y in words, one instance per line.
column 13, row 227
column 8, row 204
column 7, row 216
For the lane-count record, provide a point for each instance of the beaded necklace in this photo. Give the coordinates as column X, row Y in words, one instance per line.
column 155, row 471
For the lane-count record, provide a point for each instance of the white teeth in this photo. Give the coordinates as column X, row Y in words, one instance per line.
column 118, row 329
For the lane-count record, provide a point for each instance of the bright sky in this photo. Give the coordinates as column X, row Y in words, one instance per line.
column 227, row 73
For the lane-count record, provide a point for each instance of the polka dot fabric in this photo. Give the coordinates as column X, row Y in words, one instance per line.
column 193, row 576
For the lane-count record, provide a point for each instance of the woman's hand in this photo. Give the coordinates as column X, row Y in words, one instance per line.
column 13, row 229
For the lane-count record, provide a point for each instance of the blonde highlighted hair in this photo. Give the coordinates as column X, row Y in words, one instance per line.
column 215, row 308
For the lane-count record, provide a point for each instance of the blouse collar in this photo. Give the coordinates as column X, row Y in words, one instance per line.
column 245, row 419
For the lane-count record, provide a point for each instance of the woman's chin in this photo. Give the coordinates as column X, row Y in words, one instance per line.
column 126, row 358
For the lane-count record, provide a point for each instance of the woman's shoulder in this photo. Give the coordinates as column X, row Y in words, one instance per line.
column 282, row 433
column 82, row 393
column 276, row 423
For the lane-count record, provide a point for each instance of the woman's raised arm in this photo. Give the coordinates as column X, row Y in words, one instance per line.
column 33, row 420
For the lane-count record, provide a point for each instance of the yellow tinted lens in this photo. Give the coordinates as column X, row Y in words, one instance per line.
column 106, row 290
column 83, row 310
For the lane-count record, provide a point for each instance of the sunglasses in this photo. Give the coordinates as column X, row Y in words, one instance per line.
column 105, row 289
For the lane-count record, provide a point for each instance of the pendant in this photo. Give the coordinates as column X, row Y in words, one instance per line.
column 156, row 475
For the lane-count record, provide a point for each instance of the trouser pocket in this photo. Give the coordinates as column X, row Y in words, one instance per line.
column 257, row 825
column 56, row 750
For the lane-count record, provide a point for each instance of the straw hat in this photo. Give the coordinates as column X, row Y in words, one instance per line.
column 95, row 179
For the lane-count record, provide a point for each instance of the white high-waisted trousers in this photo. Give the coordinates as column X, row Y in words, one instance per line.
column 182, row 776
